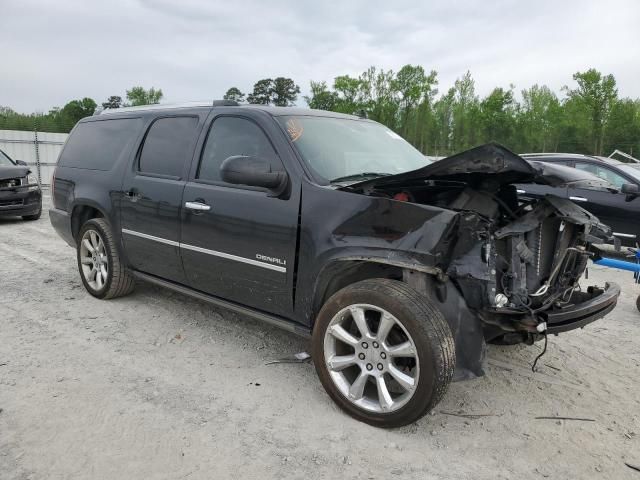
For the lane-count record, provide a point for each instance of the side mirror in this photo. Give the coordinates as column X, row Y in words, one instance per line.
column 630, row 189
column 254, row 172
column 22, row 163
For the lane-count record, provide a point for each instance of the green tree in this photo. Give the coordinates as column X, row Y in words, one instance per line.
column 538, row 120
column 466, row 113
column 415, row 91
column 75, row 110
column 113, row 101
column 443, row 132
column 497, row 112
column 379, row 96
column 284, row 92
column 348, row 91
column 596, row 94
column 623, row 127
column 262, row 92
column 234, row 94
column 140, row 96
column 321, row 97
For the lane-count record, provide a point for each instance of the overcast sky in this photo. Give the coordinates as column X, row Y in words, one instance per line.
column 58, row 50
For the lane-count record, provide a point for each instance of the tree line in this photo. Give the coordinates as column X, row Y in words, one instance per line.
column 62, row 120
column 587, row 116
column 590, row 117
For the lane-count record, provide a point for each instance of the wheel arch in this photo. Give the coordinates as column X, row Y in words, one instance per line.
column 342, row 272
column 83, row 212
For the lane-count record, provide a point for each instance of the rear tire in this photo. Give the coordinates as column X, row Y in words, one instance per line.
column 383, row 352
column 638, row 303
column 103, row 273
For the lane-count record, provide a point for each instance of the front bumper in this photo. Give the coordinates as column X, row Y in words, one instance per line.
column 20, row 201
column 595, row 304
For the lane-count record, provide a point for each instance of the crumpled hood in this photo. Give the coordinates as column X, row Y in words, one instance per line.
column 491, row 163
column 13, row 171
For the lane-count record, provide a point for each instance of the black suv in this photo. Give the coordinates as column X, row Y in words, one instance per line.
column 334, row 227
column 20, row 194
column 617, row 205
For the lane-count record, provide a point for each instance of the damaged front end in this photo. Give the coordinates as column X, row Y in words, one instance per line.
column 515, row 265
column 522, row 277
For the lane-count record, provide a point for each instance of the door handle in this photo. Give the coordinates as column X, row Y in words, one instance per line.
column 578, row 199
column 197, row 206
column 519, row 191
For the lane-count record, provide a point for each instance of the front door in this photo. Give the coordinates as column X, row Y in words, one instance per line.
column 152, row 197
column 239, row 243
column 617, row 210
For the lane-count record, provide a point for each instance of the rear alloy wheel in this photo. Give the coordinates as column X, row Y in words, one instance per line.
column 383, row 352
column 101, row 269
column 93, row 260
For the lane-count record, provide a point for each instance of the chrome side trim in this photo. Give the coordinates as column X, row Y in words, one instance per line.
column 150, row 237
column 228, row 256
column 625, row 235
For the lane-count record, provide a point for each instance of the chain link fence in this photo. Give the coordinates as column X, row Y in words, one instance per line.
column 36, row 139
column 39, row 150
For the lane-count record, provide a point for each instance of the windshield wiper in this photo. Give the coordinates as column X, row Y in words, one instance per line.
column 359, row 176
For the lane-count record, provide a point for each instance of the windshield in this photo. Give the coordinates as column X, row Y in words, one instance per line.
column 4, row 159
column 339, row 149
column 631, row 170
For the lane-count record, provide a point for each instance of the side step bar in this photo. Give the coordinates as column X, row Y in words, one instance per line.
column 258, row 315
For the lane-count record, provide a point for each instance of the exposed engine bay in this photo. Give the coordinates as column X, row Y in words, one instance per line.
column 514, row 261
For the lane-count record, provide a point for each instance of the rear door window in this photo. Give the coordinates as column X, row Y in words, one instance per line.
column 167, row 145
column 99, row 144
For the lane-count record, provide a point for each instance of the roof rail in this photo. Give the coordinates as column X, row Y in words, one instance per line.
column 165, row 106
column 225, row 103
column 629, row 158
column 552, row 154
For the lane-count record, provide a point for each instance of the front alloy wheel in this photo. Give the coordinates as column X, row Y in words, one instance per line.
column 383, row 352
column 376, row 370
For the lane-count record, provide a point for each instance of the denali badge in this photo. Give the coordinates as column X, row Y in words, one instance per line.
column 264, row 258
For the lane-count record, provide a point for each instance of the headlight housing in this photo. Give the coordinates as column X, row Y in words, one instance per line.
column 32, row 181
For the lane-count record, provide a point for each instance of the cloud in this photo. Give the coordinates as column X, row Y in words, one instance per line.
column 195, row 49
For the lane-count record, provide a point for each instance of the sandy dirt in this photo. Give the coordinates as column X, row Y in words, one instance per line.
column 159, row 386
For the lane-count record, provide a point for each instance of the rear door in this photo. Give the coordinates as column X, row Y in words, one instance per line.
column 238, row 242
column 152, row 194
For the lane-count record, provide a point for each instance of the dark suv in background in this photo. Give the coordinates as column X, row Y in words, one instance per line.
column 617, row 206
column 20, row 194
column 334, row 227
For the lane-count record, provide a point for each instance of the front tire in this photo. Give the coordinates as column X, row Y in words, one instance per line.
column 103, row 273
column 383, row 352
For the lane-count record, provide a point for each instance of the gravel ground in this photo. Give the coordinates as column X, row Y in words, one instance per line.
column 159, row 386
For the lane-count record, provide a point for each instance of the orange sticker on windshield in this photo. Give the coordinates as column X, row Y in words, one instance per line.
column 294, row 128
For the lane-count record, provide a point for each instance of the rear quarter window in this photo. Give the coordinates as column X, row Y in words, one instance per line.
column 99, row 144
